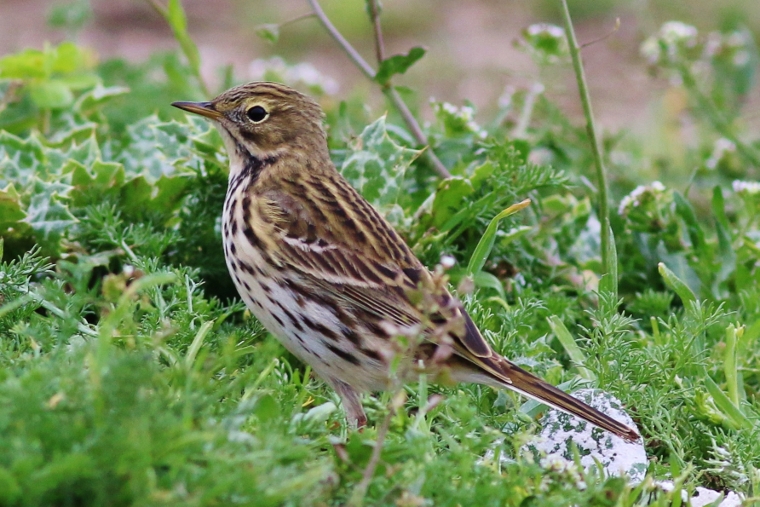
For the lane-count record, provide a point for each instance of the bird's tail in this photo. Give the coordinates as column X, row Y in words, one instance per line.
column 512, row 376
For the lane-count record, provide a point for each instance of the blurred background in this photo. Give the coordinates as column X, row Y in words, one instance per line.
column 474, row 52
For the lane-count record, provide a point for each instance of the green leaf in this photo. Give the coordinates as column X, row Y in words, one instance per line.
column 449, row 198
column 729, row 410
column 482, row 174
column 48, row 213
column 609, row 282
column 485, row 245
column 270, row 32
column 51, row 94
column 69, row 58
column 398, row 64
column 676, row 284
column 484, row 279
column 27, row 64
column 96, row 183
column 157, row 148
column 566, row 339
column 685, row 210
column 376, row 165
column 726, row 254
column 10, row 208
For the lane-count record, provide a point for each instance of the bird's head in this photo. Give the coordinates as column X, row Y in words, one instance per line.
column 265, row 121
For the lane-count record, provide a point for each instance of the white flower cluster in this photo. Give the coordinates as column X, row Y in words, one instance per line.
column 303, row 73
column 546, row 30
column 671, row 39
column 722, row 148
column 735, row 44
column 464, row 115
column 634, row 198
column 746, row 187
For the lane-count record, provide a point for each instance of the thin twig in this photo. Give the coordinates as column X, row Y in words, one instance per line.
column 374, row 14
column 604, row 214
column 600, row 39
column 360, row 491
column 389, row 91
column 354, row 55
column 297, row 19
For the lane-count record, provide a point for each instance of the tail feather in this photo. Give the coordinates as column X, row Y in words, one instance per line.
column 527, row 384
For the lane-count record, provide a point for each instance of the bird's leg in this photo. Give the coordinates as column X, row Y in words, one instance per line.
column 352, row 403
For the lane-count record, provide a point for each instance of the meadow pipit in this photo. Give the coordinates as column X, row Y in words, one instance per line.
column 326, row 274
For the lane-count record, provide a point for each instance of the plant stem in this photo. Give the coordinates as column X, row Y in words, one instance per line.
column 360, row 491
column 607, row 239
column 374, row 14
column 297, row 19
column 388, row 90
column 352, row 53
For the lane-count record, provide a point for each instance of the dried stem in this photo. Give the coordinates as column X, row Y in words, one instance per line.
column 609, row 264
column 297, row 19
column 374, row 14
column 388, row 89
column 605, row 36
column 360, row 491
column 354, row 55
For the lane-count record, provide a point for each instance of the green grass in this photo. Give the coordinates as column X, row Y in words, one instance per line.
column 130, row 373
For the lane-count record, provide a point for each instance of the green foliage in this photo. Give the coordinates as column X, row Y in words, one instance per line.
column 397, row 64
column 376, row 165
column 131, row 375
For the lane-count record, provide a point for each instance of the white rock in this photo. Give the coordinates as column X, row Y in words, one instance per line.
column 704, row 497
column 617, row 457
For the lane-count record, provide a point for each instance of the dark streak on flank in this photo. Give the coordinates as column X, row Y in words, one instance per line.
column 325, row 331
column 367, row 272
column 293, row 320
column 245, row 266
column 372, row 354
column 414, row 274
column 252, row 238
column 343, row 354
column 351, row 335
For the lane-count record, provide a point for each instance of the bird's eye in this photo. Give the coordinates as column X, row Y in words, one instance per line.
column 257, row 114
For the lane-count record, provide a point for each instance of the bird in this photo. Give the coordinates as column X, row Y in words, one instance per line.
column 328, row 276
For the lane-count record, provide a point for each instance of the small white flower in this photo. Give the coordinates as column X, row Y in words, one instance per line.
column 448, row 262
column 464, row 115
column 650, row 50
column 632, row 200
column 721, row 148
column 737, row 39
column 672, row 37
column 677, row 32
column 546, row 29
column 746, row 187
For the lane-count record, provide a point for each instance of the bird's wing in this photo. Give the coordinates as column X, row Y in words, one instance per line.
column 356, row 257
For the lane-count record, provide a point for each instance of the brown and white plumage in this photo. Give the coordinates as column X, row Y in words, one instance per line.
column 325, row 272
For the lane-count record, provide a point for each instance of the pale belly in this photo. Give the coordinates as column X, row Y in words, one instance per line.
column 310, row 331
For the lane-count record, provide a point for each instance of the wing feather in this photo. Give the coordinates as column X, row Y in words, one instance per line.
column 370, row 279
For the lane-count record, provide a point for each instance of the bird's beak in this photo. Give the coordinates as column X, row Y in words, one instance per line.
column 202, row 108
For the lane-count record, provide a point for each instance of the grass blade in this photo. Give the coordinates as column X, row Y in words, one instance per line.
column 485, row 245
